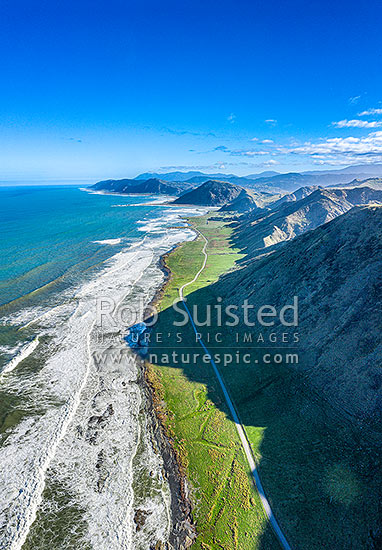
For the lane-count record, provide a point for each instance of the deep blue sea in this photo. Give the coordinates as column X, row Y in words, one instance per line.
column 76, row 445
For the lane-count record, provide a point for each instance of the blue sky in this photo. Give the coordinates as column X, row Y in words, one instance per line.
column 102, row 89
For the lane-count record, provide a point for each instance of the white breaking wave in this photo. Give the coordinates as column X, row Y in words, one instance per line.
column 108, row 241
column 22, row 354
column 154, row 201
column 173, row 217
column 89, row 435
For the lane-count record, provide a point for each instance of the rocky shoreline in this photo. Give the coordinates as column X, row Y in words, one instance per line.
column 183, row 531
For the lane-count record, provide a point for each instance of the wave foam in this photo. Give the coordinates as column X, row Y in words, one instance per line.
column 73, row 390
column 21, row 355
column 108, row 241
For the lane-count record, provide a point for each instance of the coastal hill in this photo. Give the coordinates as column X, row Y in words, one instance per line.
column 211, row 193
column 247, row 201
column 339, row 285
column 290, row 219
column 149, row 186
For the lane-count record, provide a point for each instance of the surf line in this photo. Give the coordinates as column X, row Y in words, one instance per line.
column 28, row 349
column 134, row 245
column 32, row 496
column 136, row 448
column 23, row 354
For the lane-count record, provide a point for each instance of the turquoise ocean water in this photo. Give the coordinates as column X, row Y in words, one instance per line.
column 76, row 443
column 49, row 234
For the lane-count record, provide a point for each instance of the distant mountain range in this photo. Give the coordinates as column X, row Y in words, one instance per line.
column 200, row 177
column 360, row 170
column 374, row 183
column 274, row 182
column 177, row 183
column 369, row 170
column 294, row 180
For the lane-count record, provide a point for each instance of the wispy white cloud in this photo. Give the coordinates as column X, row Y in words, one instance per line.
column 244, row 153
column 264, row 141
column 218, row 166
column 240, row 152
column 356, row 123
column 177, row 132
column 371, row 112
column 370, row 145
column 354, row 99
column 231, row 118
column 271, row 121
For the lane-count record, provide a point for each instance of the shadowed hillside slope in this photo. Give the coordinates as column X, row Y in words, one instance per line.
column 336, row 273
column 314, row 425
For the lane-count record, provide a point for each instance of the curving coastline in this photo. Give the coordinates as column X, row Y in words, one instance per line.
column 109, row 409
column 183, row 532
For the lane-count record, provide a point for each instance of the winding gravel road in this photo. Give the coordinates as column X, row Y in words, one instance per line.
column 239, row 427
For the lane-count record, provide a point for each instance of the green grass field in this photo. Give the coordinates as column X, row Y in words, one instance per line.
column 320, row 475
column 227, row 512
column 186, row 260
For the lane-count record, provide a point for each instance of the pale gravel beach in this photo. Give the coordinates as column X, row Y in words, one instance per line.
column 87, row 443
